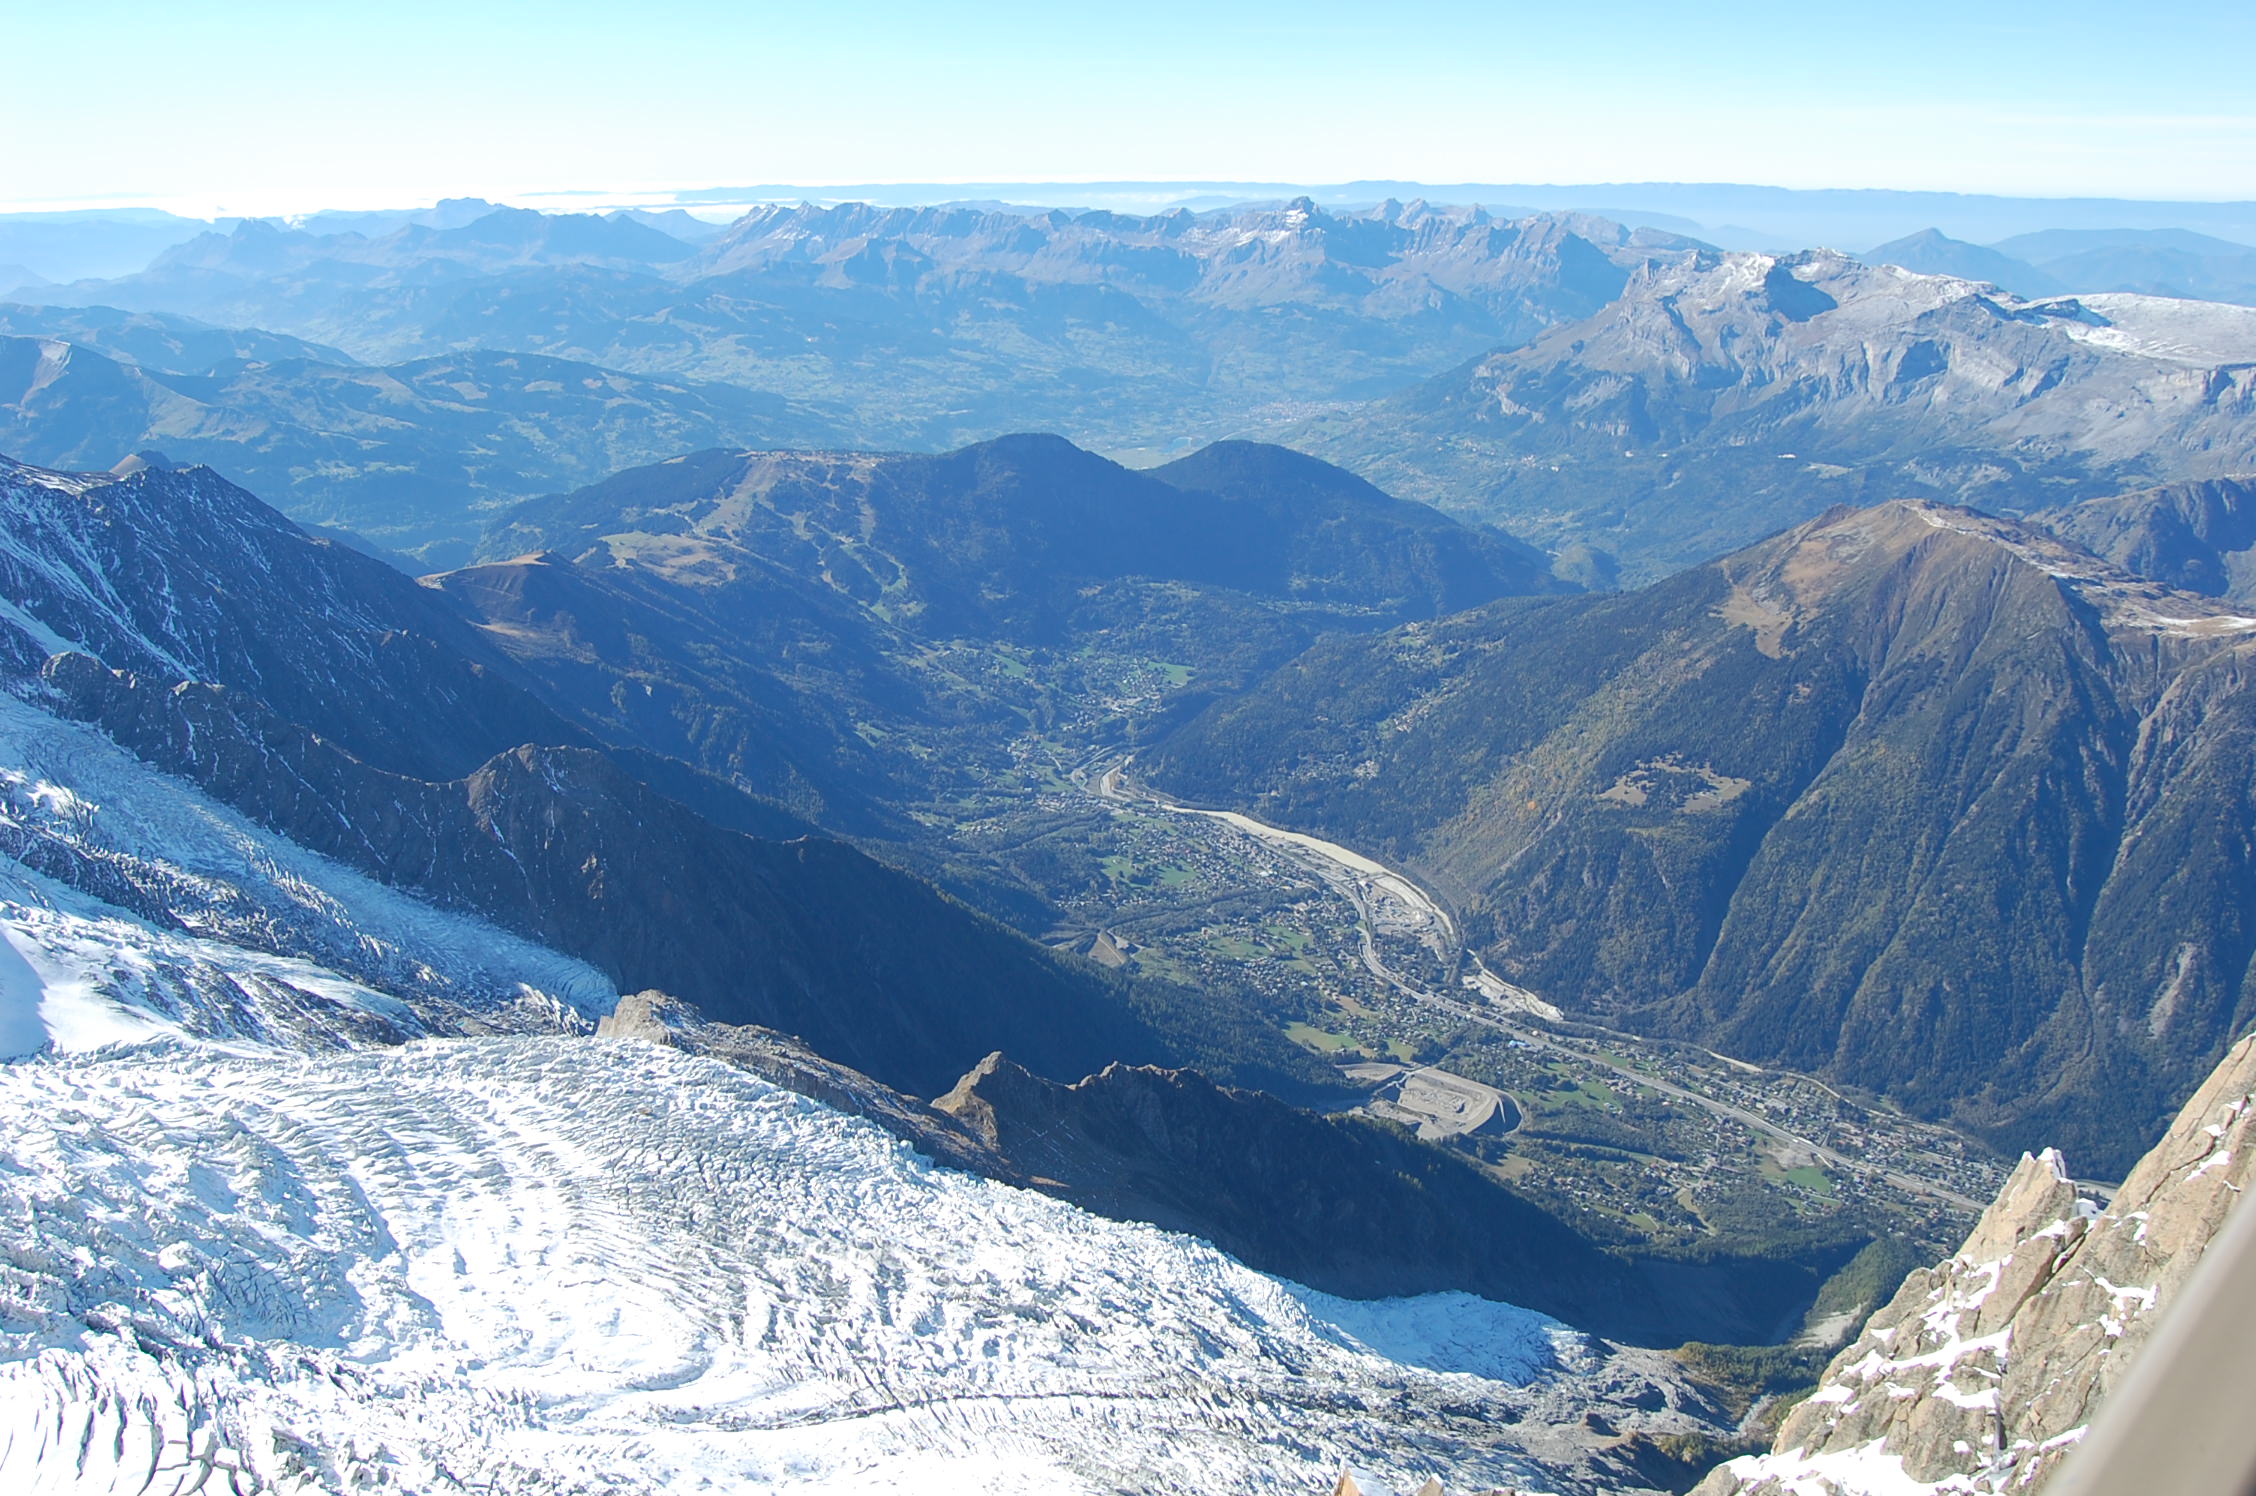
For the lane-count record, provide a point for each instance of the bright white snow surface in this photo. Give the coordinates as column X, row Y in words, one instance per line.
column 569, row 1264
column 247, row 933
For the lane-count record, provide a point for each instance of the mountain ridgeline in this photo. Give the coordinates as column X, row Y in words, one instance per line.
column 840, row 629
column 361, row 715
column 929, row 327
column 1723, row 397
column 1001, row 539
column 1909, row 797
column 1634, row 401
column 411, row 455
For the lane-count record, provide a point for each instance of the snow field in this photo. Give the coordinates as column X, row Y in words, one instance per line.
column 593, row 1265
column 238, row 895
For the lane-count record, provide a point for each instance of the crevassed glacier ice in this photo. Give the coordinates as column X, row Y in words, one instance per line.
column 559, row 1264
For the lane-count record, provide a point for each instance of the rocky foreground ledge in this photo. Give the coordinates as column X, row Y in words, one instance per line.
column 1982, row 1373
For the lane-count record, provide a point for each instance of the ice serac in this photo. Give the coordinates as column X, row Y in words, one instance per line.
column 1982, row 1373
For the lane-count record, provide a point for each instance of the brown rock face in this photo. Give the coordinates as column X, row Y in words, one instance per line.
column 1984, row 1371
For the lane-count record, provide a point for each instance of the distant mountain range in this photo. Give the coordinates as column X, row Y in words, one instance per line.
column 1931, row 252
column 1739, row 216
column 414, row 456
column 1639, row 402
column 1725, row 396
column 929, row 327
column 159, row 341
column 110, row 242
column 1909, row 797
column 2149, row 262
column 100, row 243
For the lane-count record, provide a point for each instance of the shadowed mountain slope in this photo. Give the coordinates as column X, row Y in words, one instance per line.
column 1350, row 1205
column 1906, row 796
column 2198, row 537
column 176, row 574
column 358, row 714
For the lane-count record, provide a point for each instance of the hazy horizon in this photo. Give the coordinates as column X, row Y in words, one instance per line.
column 275, row 110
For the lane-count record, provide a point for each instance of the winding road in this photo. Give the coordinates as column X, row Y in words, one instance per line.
column 1357, row 877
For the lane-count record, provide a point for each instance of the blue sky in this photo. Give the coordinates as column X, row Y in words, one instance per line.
column 259, row 107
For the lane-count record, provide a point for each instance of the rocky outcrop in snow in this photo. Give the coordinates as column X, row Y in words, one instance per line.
column 1984, row 1371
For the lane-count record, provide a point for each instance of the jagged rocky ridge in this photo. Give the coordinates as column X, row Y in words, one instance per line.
column 1907, row 796
column 1983, row 1372
column 1725, row 396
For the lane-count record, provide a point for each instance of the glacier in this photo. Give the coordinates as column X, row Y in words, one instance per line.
column 565, row 1264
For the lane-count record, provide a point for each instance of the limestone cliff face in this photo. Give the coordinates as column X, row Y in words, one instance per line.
column 1983, row 1372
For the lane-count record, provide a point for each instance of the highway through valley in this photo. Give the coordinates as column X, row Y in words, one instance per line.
column 1386, row 898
